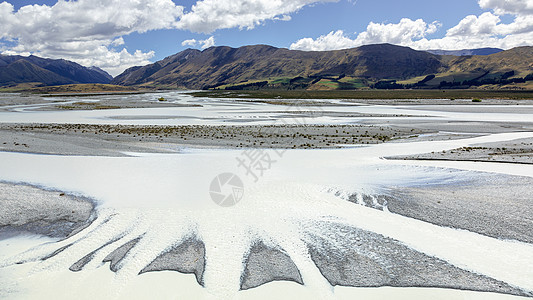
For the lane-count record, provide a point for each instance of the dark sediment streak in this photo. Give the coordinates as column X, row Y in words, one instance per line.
column 188, row 257
column 359, row 258
column 80, row 264
column 486, row 205
column 265, row 264
column 116, row 256
column 27, row 208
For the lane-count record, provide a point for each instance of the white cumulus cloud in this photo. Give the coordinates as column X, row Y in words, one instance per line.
column 209, row 15
column 118, row 41
column 91, row 32
column 402, row 33
column 485, row 30
column 204, row 44
column 86, row 31
column 191, row 42
column 332, row 41
column 502, row 7
column 210, row 42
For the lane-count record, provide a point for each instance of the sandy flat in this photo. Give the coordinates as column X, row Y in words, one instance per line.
column 31, row 209
column 338, row 255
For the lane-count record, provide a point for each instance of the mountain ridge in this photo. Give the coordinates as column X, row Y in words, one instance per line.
column 220, row 65
column 16, row 69
column 263, row 66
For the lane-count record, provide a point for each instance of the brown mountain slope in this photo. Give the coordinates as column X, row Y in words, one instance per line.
column 42, row 71
column 224, row 65
column 24, row 71
column 261, row 66
column 519, row 60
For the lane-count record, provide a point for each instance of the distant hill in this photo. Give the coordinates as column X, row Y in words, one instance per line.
column 101, row 72
column 373, row 66
column 217, row 66
column 510, row 67
column 42, row 71
column 466, row 52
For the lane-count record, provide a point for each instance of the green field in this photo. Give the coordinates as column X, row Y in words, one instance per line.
column 371, row 94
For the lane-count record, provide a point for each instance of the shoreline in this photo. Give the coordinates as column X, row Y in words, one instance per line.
column 116, row 140
column 518, row 151
column 458, row 160
column 113, row 140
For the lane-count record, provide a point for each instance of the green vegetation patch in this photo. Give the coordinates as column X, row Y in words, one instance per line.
column 371, row 94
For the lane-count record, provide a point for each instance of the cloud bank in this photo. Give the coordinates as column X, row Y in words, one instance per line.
column 90, row 31
column 485, row 30
column 400, row 34
column 87, row 32
column 209, row 15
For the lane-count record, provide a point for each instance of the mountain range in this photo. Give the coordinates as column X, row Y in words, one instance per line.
column 383, row 65
column 218, row 66
column 42, row 71
column 266, row 67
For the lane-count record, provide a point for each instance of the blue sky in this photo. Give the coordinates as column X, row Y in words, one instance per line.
column 116, row 34
column 313, row 21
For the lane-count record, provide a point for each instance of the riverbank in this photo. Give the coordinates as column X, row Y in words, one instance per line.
column 84, row 139
column 384, row 96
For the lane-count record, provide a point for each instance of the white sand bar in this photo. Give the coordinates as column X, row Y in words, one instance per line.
column 163, row 198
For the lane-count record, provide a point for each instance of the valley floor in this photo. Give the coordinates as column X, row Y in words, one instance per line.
column 360, row 195
column 388, row 97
